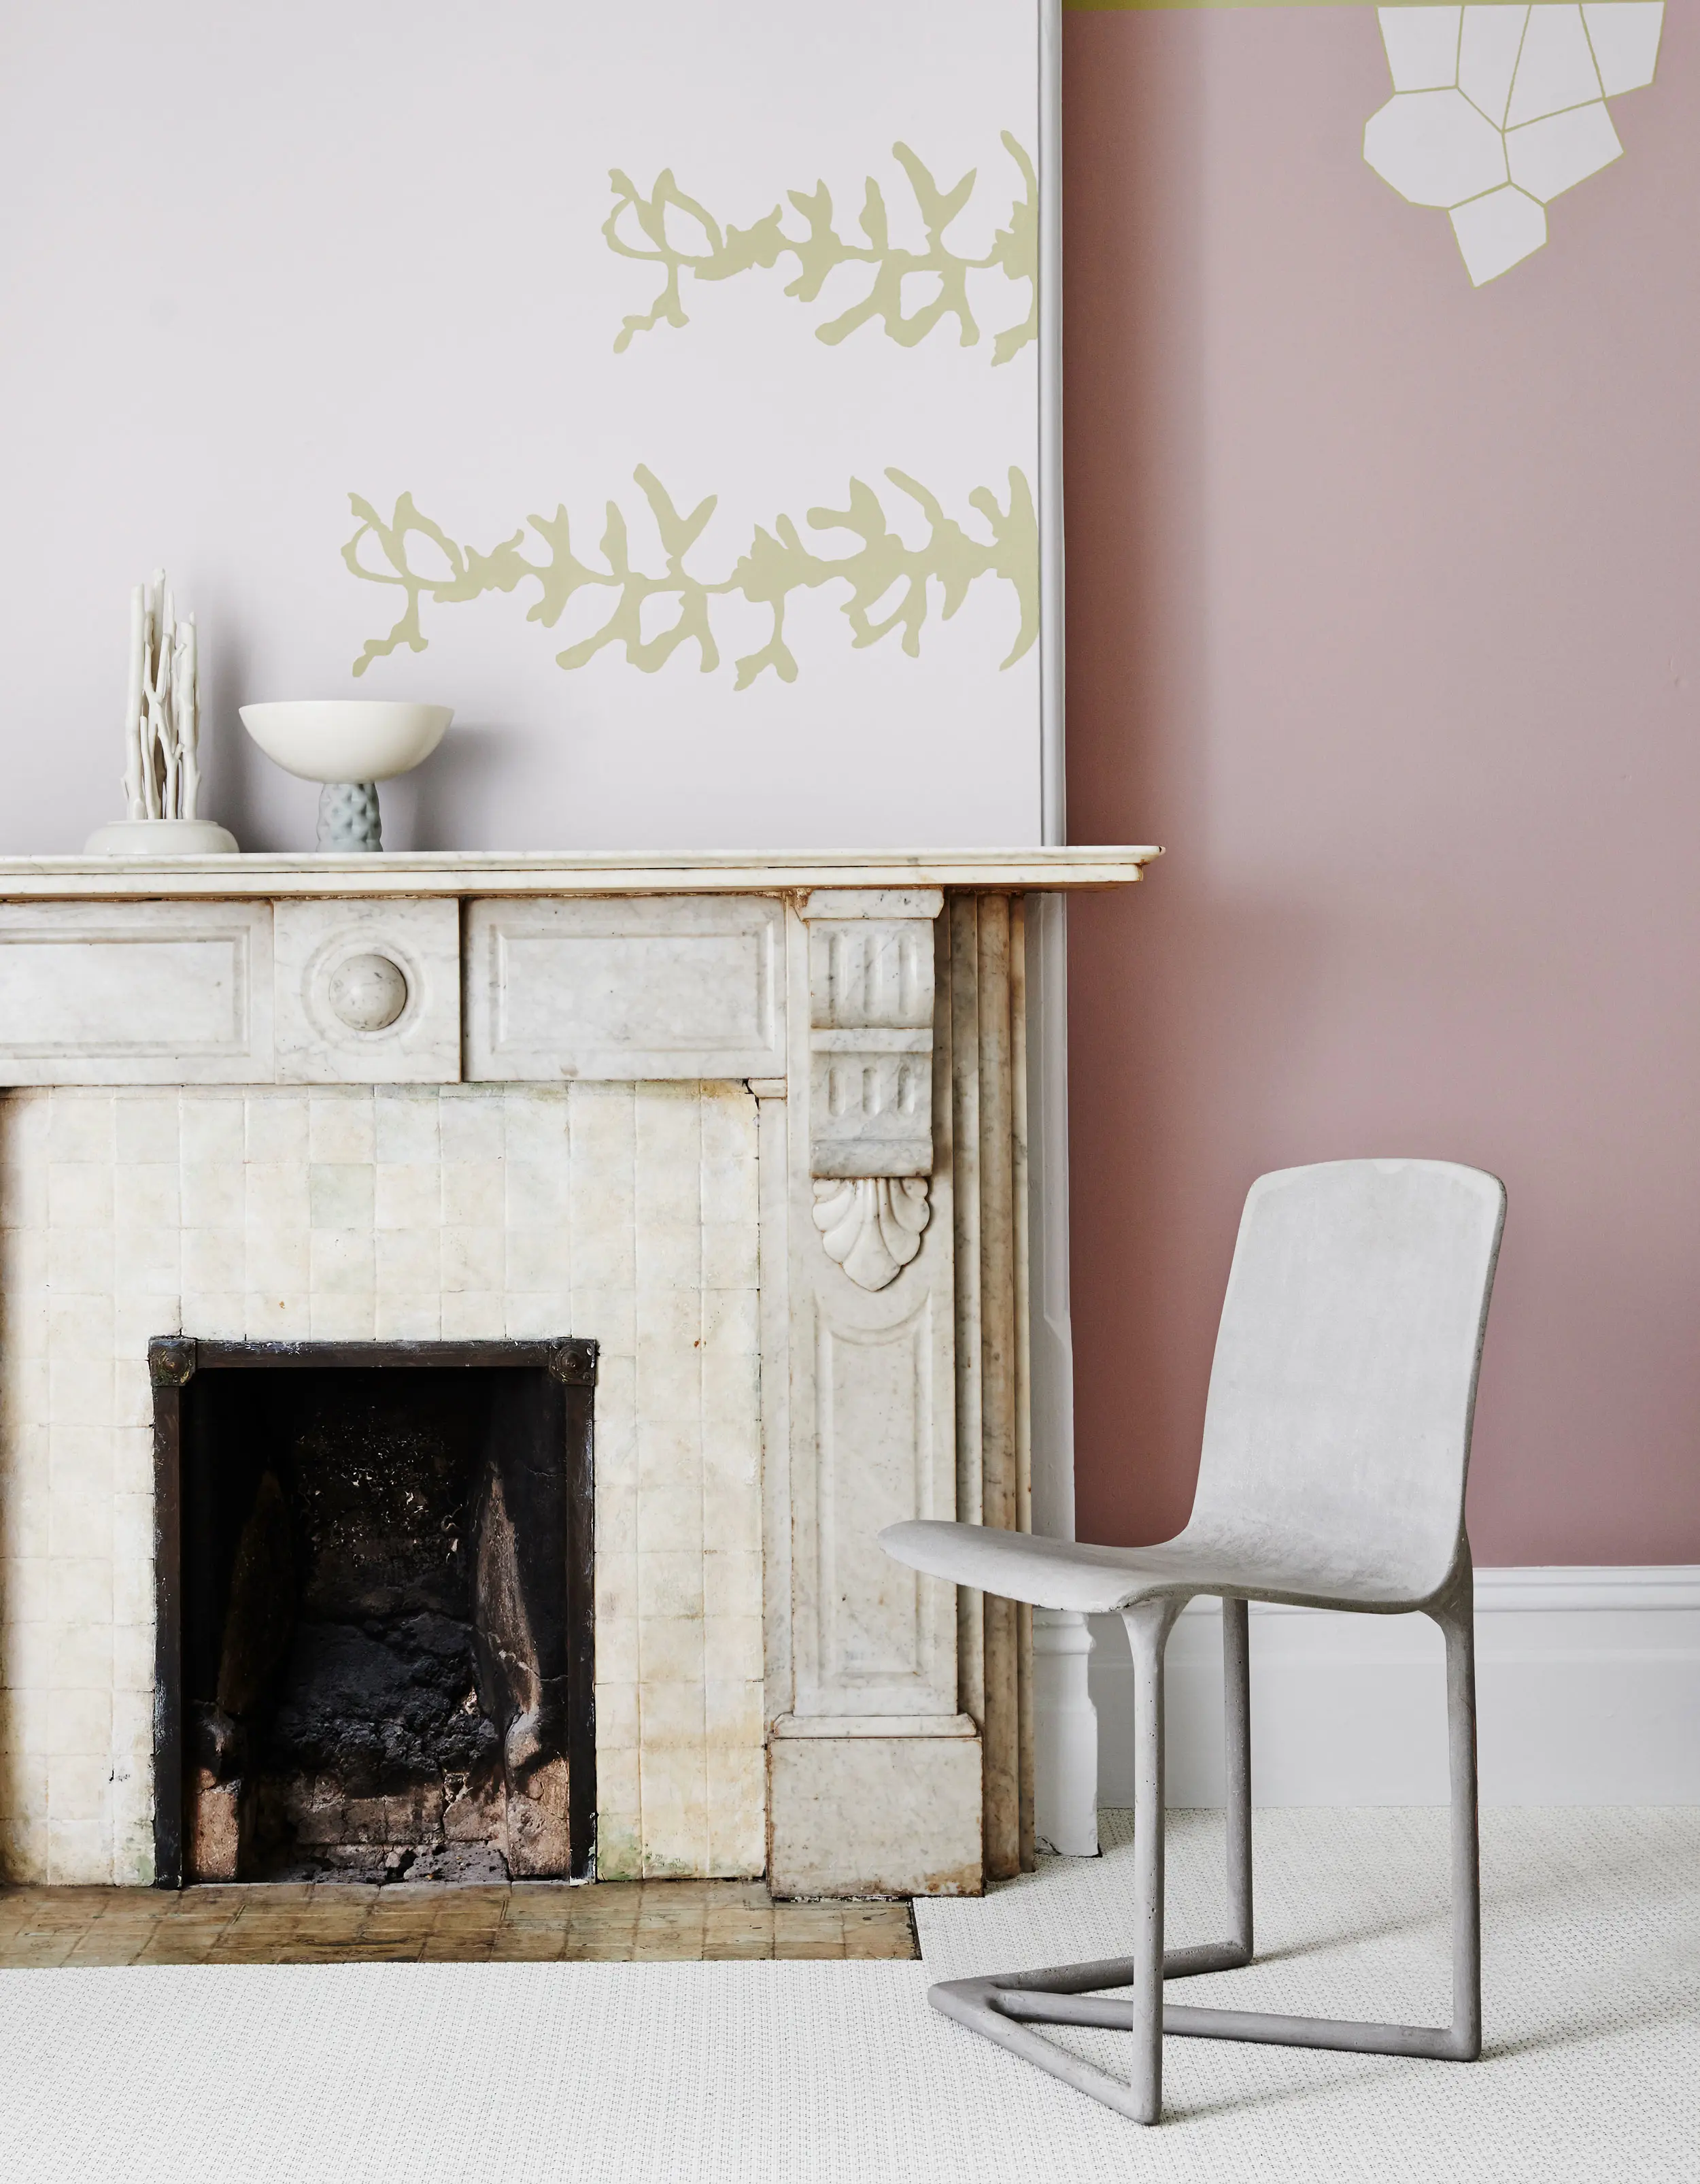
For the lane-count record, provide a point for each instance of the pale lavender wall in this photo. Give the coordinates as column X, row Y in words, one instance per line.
column 1384, row 597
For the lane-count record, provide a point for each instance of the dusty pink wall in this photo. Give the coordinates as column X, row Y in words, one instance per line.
column 1383, row 596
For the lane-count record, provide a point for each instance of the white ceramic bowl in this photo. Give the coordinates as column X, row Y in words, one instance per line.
column 347, row 739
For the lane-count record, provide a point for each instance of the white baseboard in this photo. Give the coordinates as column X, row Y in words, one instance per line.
column 1587, row 1680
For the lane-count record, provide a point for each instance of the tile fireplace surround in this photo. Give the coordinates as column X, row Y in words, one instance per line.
column 755, row 1127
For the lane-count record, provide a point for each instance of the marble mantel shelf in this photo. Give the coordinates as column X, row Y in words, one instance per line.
column 565, row 872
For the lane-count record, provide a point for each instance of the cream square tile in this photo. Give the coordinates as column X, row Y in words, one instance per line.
column 670, row 1317
column 731, row 1514
column 343, row 1263
column 277, row 1316
column 735, row 1644
column 25, row 1392
column 473, row 1193
column 79, row 1526
column 334, row 1316
column 214, row 1192
column 737, row 1812
column 79, row 1854
column 340, row 1125
column 339, row 1196
column 80, row 1588
column 30, row 1666
column 277, row 1196
column 669, row 1388
column 616, row 1519
column 147, row 1260
column 136, row 1319
column 539, row 1259
column 616, row 1719
column 670, row 1717
column 731, row 1386
column 211, row 1130
column 133, row 1596
column 734, row 1716
column 132, row 1526
column 732, row 1582
column 402, row 1316
column 277, row 1129
column 79, row 1194
column 80, row 1127
column 675, row 1825
column 619, row 1853
column 535, row 1318
column 79, row 1324
column 144, row 1196
column 729, row 1190
column 79, row 1727
column 616, row 1634
column 608, row 1318
column 80, row 1259
column 670, row 1583
column 731, row 1323
column 534, row 1127
column 145, row 1129
column 670, row 1453
column 731, row 1254
column 473, row 1316
column 405, row 1126
column 604, row 1247
column 669, row 1648
column 81, row 1657
column 668, row 1255
column 408, row 1260
column 215, row 1315
column 23, row 1192
column 471, row 1121
column 278, row 1258
column 80, row 1392
column 214, row 1259
column 132, row 1728
column 409, row 1195
column 540, row 1191
column 24, row 1528
column 669, row 1519
column 133, row 1656
column 473, row 1258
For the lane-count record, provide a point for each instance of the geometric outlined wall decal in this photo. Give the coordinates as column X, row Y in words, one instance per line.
column 1499, row 109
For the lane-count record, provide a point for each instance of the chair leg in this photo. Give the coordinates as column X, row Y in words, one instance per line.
column 1148, row 1635
column 1236, row 1737
column 1457, row 1622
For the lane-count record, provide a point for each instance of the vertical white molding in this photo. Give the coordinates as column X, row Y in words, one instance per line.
column 1064, row 1721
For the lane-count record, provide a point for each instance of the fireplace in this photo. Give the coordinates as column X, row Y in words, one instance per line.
column 374, row 1610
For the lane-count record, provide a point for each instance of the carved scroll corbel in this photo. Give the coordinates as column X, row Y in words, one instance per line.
column 871, row 1147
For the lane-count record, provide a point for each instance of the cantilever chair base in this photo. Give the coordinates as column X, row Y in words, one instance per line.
column 1002, row 2007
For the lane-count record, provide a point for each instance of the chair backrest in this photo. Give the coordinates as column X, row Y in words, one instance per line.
column 1338, row 1431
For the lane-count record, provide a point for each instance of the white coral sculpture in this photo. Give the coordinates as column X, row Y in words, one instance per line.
column 1497, row 110
column 161, row 732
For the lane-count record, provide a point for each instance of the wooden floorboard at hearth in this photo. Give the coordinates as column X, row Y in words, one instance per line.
column 612, row 1922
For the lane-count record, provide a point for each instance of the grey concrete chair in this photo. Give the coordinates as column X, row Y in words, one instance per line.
column 1337, row 1437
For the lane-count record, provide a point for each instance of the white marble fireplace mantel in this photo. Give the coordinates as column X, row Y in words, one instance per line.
column 755, row 1123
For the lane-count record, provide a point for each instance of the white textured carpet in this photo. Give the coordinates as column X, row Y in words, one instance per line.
column 666, row 2074
column 1590, row 1932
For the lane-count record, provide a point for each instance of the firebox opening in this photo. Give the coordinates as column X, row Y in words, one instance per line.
column 386, row 1634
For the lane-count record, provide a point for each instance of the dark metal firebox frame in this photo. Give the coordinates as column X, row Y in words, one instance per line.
column 173, row 1361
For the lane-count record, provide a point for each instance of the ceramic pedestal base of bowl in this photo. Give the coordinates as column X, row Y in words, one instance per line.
column 349, row 817
column 161, row 838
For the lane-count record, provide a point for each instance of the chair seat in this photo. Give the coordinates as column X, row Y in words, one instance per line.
column 1065, row 1574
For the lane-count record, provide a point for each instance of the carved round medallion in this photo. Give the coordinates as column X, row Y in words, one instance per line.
column 368, row 993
